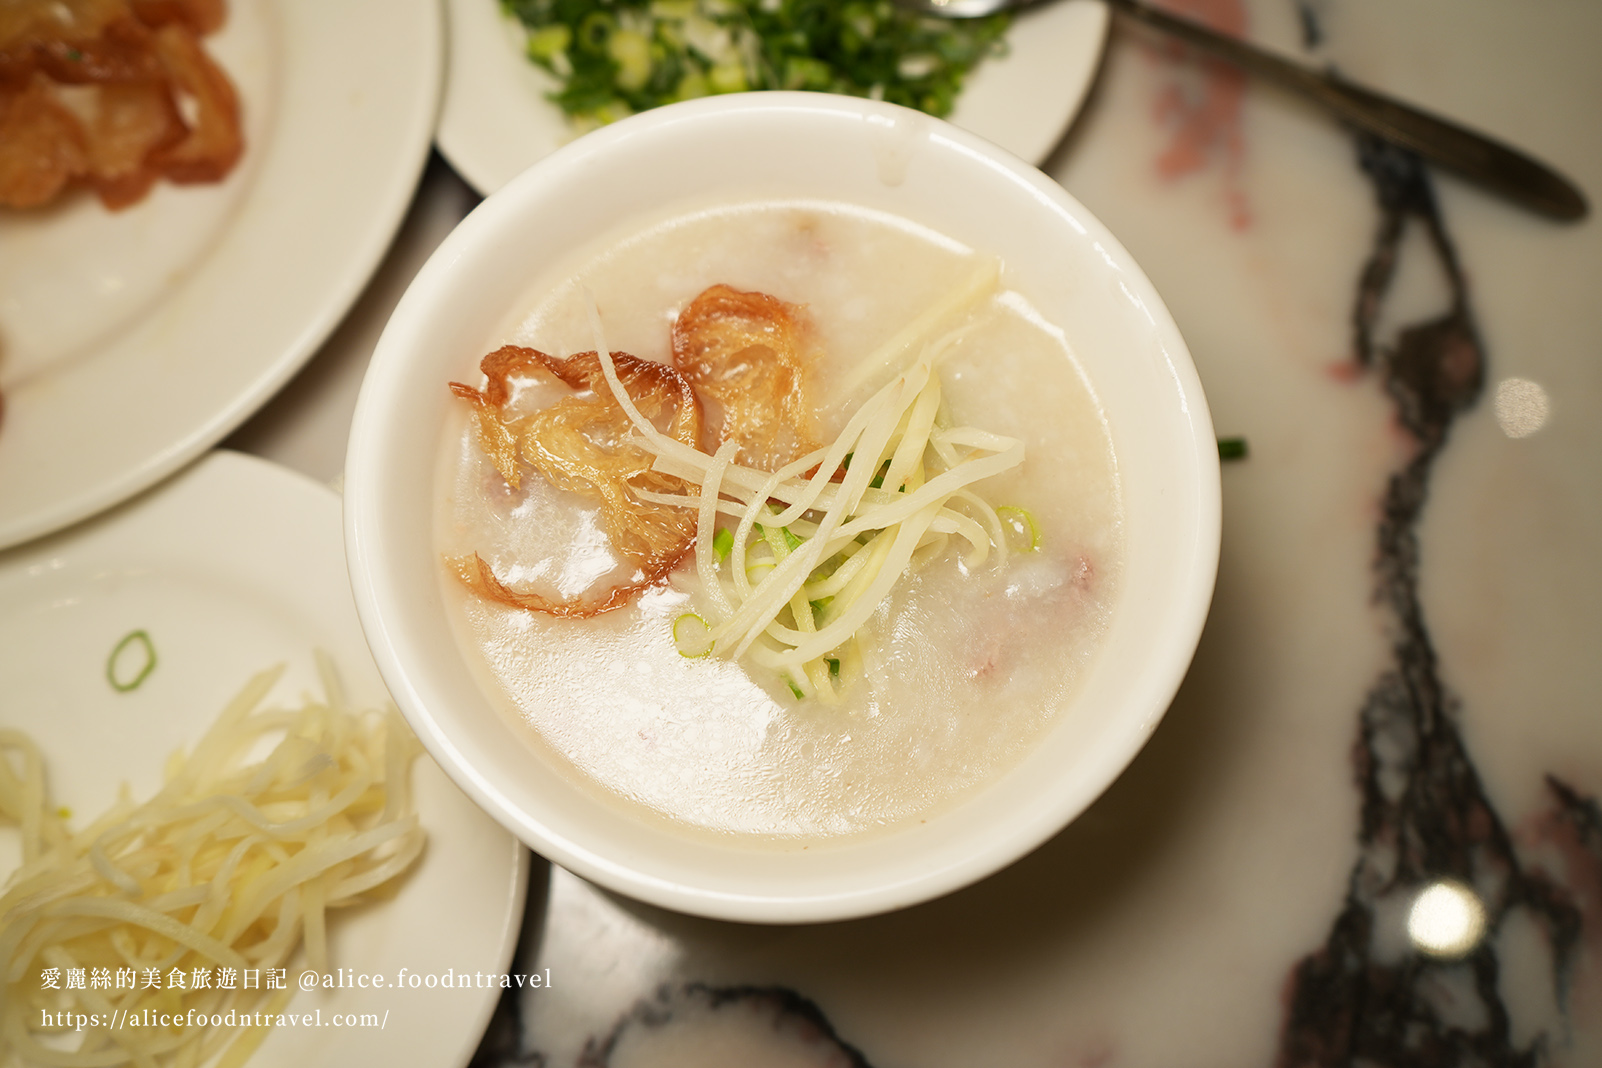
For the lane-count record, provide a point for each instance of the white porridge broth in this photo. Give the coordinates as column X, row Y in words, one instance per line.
column 961, row 672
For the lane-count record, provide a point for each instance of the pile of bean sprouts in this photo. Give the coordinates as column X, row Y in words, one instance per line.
column 233, row 865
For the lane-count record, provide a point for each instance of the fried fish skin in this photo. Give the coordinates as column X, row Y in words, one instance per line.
column 92, row 94
column 580, row 444
column 42, row 146
column 748, row 352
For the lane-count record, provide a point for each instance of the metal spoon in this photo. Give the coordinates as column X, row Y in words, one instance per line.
column 1473, row 155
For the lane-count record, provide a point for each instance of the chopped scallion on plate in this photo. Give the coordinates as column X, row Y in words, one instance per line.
column 616, row 57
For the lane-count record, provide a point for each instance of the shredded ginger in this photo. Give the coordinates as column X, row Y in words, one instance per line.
column 228, row 869
column 819, row 544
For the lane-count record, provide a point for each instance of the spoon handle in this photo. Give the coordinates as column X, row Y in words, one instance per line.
column 1474, row 156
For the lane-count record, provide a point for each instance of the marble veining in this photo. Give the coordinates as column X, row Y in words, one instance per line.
column 1365, row 996
column 720, row 1024
column 692, row 1022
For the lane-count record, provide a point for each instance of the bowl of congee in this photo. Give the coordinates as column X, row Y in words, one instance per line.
column 782, row 507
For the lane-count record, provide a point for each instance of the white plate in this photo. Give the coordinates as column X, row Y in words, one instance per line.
column 495, row 120
column 132, row 341
column 233, row 566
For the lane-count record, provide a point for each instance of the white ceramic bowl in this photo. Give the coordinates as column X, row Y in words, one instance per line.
column 789, row 144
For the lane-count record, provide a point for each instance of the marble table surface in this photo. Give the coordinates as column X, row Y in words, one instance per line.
column 1368, row 831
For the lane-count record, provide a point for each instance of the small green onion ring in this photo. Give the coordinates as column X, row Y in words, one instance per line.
column 594, row 30
column 691, row 633
column 133, row 636
column 1020, row 520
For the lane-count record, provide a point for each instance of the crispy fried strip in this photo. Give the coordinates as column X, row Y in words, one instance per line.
column 133, row 121
column 580, row 444
column 494, row 436
column 24, row 23
column 476, row 573
column 138, row 59
column 506, row 361
column 118, row 52
column 214, row 145
column 201, row 16
column 42, row 146
column 746, row 352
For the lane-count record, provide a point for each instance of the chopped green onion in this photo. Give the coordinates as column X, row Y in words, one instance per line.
column 1232, row 448
column 692, row 636
column 595, row 30
column 773, row 534
column 834, row 667
column 632, row 54
column 804, row 72
column 117, row 675
column 692, row 86
column 545, row 44
column 1020, row 525
column 727, row 78
column 794, row 689
column 639, row 54
column 722, row 544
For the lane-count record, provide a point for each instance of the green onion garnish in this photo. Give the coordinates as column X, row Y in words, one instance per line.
column 692, row 636
column 1020, row 525
column 639, row 54
column 117, row 675
column 791, row 541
